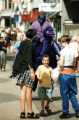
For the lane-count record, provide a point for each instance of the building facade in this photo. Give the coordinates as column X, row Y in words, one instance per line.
column 8, row 8
column 70, row 17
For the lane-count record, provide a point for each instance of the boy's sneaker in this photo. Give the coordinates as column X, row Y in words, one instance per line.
column 77, row 114
column 42, row 113
column 22, row 115
column 64, row 115
column 48, row 110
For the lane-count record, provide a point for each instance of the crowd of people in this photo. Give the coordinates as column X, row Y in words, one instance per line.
column 37, row 54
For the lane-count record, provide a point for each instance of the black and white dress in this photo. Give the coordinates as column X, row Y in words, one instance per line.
column 25, row 79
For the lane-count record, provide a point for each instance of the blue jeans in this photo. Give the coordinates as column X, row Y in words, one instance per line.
column 68, row 90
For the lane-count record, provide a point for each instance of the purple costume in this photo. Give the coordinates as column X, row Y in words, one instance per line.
column 42, row 41
column 40, row 29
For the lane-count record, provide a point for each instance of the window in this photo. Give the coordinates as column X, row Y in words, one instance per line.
column 10, row 3
column 5, row 4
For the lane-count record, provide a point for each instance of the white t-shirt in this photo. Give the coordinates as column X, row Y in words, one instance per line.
column 75, row 46
column 69, row 55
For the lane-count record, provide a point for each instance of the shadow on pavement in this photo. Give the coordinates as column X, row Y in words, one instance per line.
column 56, row 98
column 52, row 113
column 7, row 97
column 72, row 115
column 51, row 100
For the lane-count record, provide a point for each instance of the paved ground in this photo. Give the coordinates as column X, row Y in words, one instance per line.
column 9, row 99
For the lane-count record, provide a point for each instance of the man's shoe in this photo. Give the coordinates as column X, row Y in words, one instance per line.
column 77, row 114
column 64, row 115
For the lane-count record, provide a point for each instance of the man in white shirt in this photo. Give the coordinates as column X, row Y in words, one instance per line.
column 68, row 86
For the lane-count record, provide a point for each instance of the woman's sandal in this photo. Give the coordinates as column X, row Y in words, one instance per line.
column 22, row 115
column 32, row 115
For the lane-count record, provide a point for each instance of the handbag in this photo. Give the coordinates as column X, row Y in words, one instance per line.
column 35, row 83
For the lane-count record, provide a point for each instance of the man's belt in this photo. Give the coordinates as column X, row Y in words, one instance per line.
column 69, row 66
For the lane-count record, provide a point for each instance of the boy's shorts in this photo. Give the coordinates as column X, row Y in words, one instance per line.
column 42, row 93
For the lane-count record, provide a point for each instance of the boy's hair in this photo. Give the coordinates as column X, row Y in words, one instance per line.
column 45, row 55
column 65, row 38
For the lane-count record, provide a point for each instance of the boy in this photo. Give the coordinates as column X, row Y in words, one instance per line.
column 44, row 75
